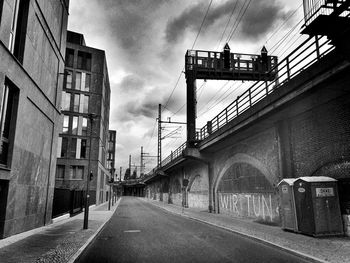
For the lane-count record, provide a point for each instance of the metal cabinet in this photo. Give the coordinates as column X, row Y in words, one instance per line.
column 317, row 206
column 287, row 204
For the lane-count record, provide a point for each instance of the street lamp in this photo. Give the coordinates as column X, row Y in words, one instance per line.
column 89, row 176
column 111, row 181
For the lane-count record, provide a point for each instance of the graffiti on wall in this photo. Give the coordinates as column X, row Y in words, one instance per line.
column 251, row 205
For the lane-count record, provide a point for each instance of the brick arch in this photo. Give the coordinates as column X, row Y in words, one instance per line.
column 191, row 181
column 336, row 169
column 244, row 158
column 327, row 156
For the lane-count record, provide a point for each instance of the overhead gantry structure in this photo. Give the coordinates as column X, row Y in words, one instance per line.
column 212, row 65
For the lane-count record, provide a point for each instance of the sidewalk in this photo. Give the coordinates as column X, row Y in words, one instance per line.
column 62, row 241
column 330, row 249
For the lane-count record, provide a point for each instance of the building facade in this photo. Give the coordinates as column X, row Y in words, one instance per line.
column 85, row 120
column 111, row 150
column 32, row 51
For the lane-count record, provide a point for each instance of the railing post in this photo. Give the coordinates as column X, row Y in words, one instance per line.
column 288, row 73
column 250, row 97
column 171, row 156
column 226, row 116
column 237, row 106
column 267, row 88
column 317, row 47
column 217, row 121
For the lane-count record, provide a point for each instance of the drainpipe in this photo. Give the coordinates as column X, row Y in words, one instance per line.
column 211, row 207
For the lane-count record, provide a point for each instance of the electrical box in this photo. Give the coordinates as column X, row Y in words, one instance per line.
column 317, row 206
column 287, row 204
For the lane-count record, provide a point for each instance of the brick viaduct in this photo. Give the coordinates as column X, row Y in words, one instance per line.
column 300, row 129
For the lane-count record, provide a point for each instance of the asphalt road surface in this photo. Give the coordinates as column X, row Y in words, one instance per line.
column 141, row 232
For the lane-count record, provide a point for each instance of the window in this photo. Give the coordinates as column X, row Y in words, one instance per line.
column 7, row 114
column 60, row 171
column 75, row 125
column 84, row 127
column 69, row 57
column 64, row 147
column 1, row 4
column 65, row 124
column 66, row 101
column 76, row 102
column 87, row 82
column 59, row 146
column 78, row 80
column 84, row 60
column 110, row 146
column 86, row 104
column 73, row 148
column 76, row 172
column 68, row 82
column 19, row 28
column 83, row 148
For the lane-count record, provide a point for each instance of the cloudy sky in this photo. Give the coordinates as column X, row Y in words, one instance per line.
column 145, row 43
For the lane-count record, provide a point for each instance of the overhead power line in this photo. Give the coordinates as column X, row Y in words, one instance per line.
column 194, row 42
column 239, row 20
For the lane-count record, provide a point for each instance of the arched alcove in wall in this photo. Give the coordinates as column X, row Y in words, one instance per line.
column 245, row 187
column 198, row 192
column 339, row 170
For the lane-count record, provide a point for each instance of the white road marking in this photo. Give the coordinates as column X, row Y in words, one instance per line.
column 132, row 231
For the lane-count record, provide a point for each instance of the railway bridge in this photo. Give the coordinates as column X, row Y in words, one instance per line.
column 294, row 124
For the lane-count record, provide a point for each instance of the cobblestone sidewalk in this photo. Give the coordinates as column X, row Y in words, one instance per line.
column 57, row 242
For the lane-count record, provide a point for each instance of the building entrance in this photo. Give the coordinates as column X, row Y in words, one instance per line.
column 4, row 185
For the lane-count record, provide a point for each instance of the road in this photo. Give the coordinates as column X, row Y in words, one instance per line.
column 141, row 232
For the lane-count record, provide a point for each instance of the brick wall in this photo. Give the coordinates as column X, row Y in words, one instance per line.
column 321, row 136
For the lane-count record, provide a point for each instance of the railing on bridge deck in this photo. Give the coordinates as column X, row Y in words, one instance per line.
column 307, row 53
column 174, row 154
column 310, row 51
column 315, row 8
column 211, row 65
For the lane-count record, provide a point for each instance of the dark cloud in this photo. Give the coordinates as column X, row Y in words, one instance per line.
column 132, row 83
column 138, row 106
column 189, row 19
column 128, row 23
column 258, row 19
column 137, row 109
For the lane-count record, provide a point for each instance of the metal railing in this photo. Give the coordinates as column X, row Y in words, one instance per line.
column 174, row 154
column 214, row 61
column 307, row 53
column 314, row 8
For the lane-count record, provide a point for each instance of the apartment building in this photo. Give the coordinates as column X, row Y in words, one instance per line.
column 85, row 119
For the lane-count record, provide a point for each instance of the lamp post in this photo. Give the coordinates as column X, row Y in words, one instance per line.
column 89, row 176
column 111, row 180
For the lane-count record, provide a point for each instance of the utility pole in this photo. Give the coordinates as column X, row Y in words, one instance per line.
column 89, row 176
column 159, row 161
column 141, row 164
column 143, row 156
column 129, row 166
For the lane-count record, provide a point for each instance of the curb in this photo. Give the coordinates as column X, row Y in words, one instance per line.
column 60, row 218
column 295, row 252
column 92, row 238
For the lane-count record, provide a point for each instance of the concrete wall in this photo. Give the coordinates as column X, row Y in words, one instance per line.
column 31, row 168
